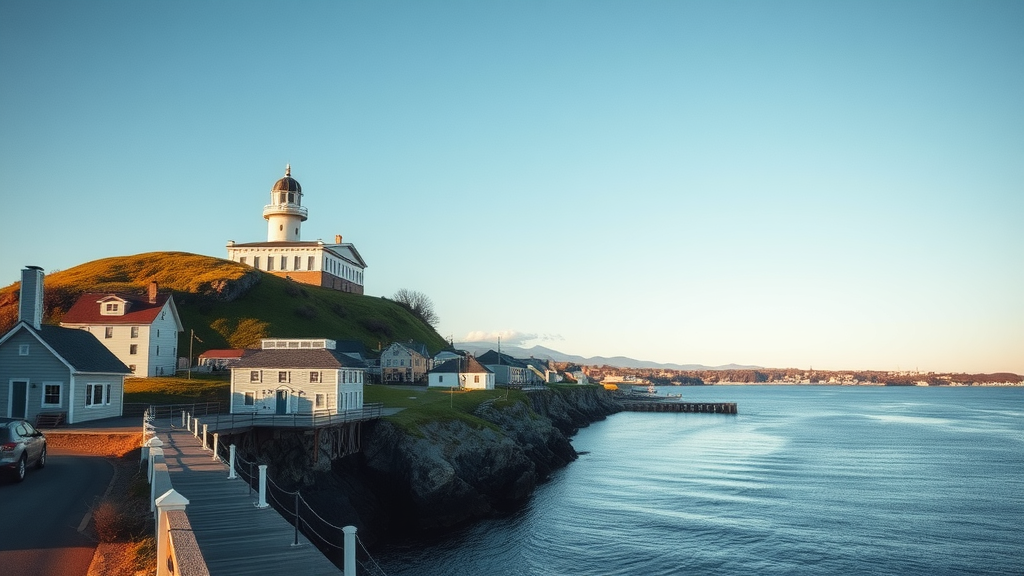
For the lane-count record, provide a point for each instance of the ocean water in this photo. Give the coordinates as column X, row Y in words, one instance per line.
column 804, row 480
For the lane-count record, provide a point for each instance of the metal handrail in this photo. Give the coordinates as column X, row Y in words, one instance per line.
column 315, row 419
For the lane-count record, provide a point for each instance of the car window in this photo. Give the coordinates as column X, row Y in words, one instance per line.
column 29, row 430
column 19, row 429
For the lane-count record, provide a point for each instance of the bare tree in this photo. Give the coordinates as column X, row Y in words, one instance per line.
column 419, row 304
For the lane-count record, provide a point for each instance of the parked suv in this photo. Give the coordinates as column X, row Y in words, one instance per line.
column 20, row 445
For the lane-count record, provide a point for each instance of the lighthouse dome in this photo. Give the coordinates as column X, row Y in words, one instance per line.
column 287, row 184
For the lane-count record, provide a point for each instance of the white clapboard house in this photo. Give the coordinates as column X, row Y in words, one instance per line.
column 297, row 376
column 141, row 330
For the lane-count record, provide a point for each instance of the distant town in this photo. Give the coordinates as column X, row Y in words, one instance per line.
column 793, row 376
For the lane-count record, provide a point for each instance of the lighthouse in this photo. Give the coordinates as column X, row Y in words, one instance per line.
column 285, row 213
column 337, row 265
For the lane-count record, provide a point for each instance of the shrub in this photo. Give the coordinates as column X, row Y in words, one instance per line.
column 308, row 312
column 377, row 326
column 116, row 522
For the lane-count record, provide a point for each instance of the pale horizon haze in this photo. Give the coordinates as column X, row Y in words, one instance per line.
column 782, row 184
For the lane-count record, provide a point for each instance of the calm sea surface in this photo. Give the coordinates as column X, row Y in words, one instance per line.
column 805, row 480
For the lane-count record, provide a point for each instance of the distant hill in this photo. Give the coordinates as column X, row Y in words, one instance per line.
column 618, row 361
column 230, row 305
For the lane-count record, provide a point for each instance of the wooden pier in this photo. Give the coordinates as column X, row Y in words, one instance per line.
column 671, row 406
column 235, row 537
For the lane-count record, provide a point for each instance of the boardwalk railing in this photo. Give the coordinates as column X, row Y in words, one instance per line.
column 318, row 419
column 177, row 552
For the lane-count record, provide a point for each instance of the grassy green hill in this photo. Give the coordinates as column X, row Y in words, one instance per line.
column 230, row 305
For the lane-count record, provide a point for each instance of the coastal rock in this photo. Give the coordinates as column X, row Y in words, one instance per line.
column 444, row 473
column 229, row 290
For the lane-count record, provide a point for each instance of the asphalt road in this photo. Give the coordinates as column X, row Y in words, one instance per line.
column 40, row 517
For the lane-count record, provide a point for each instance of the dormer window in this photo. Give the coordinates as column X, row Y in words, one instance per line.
column 113, row 306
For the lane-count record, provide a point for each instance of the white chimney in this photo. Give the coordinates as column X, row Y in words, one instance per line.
column 30, row 305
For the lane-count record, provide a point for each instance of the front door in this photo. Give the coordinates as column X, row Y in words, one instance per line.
column 19, row 398
column 282, row 401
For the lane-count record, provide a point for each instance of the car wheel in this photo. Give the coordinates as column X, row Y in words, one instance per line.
column 42, row 458
column 19, row 472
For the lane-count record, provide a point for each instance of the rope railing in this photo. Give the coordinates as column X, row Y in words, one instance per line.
column 366, row 568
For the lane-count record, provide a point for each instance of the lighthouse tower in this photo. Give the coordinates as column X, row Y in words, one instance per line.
column 285, row 213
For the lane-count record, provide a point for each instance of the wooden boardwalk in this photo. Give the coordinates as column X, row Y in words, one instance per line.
column 235, row 537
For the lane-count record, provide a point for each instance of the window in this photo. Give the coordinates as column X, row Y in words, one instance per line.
column 344, row 376
column 440, row 378
column 107, row 399
column 270, row 263
column 157, row 351
column 158, row 331
column 108, row 332
column 94, row 395
column 250, row 399
column 310, row 263
column 52, row 394
column 284, row 262
column 23, row 350
column 111, row 307
column 135, row 333
column 254, row 376
column 282, row 376
column 255, row 261
column 241, row 260
column 133, row 349
column 476, row 378
column 291, row 197
column 132, row 368
column 320, row 401
column 314, row 377
column 298, row 263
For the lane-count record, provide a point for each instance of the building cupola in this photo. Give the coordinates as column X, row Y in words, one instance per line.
column 285, row 213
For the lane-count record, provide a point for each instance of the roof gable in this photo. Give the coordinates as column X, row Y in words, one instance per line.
column 79, row 350
column 492, row 358
column 88, row 309
column 467, row 365
column 298, row 359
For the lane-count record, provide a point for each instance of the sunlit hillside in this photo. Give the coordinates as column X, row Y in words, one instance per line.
column 230, row 305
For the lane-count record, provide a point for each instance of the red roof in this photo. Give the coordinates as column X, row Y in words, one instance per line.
column 227, row 354
column 140, row 311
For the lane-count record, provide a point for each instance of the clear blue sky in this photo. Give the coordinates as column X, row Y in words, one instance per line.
column 787, row 184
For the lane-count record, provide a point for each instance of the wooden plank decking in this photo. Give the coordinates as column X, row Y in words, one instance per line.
column 235, row 537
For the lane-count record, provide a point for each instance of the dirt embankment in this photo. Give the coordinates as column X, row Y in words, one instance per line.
column 107, row 445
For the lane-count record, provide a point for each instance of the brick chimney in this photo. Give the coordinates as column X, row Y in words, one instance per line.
column 337, row 238
column 30, row 304
column 152, row 292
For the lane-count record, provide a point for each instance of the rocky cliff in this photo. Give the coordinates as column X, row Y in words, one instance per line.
column 446, row 473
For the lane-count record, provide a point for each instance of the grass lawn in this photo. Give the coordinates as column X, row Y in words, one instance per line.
column 422, row 405
column 178, row 389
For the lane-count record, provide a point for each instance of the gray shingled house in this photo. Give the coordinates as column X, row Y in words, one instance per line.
column 55, row 370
